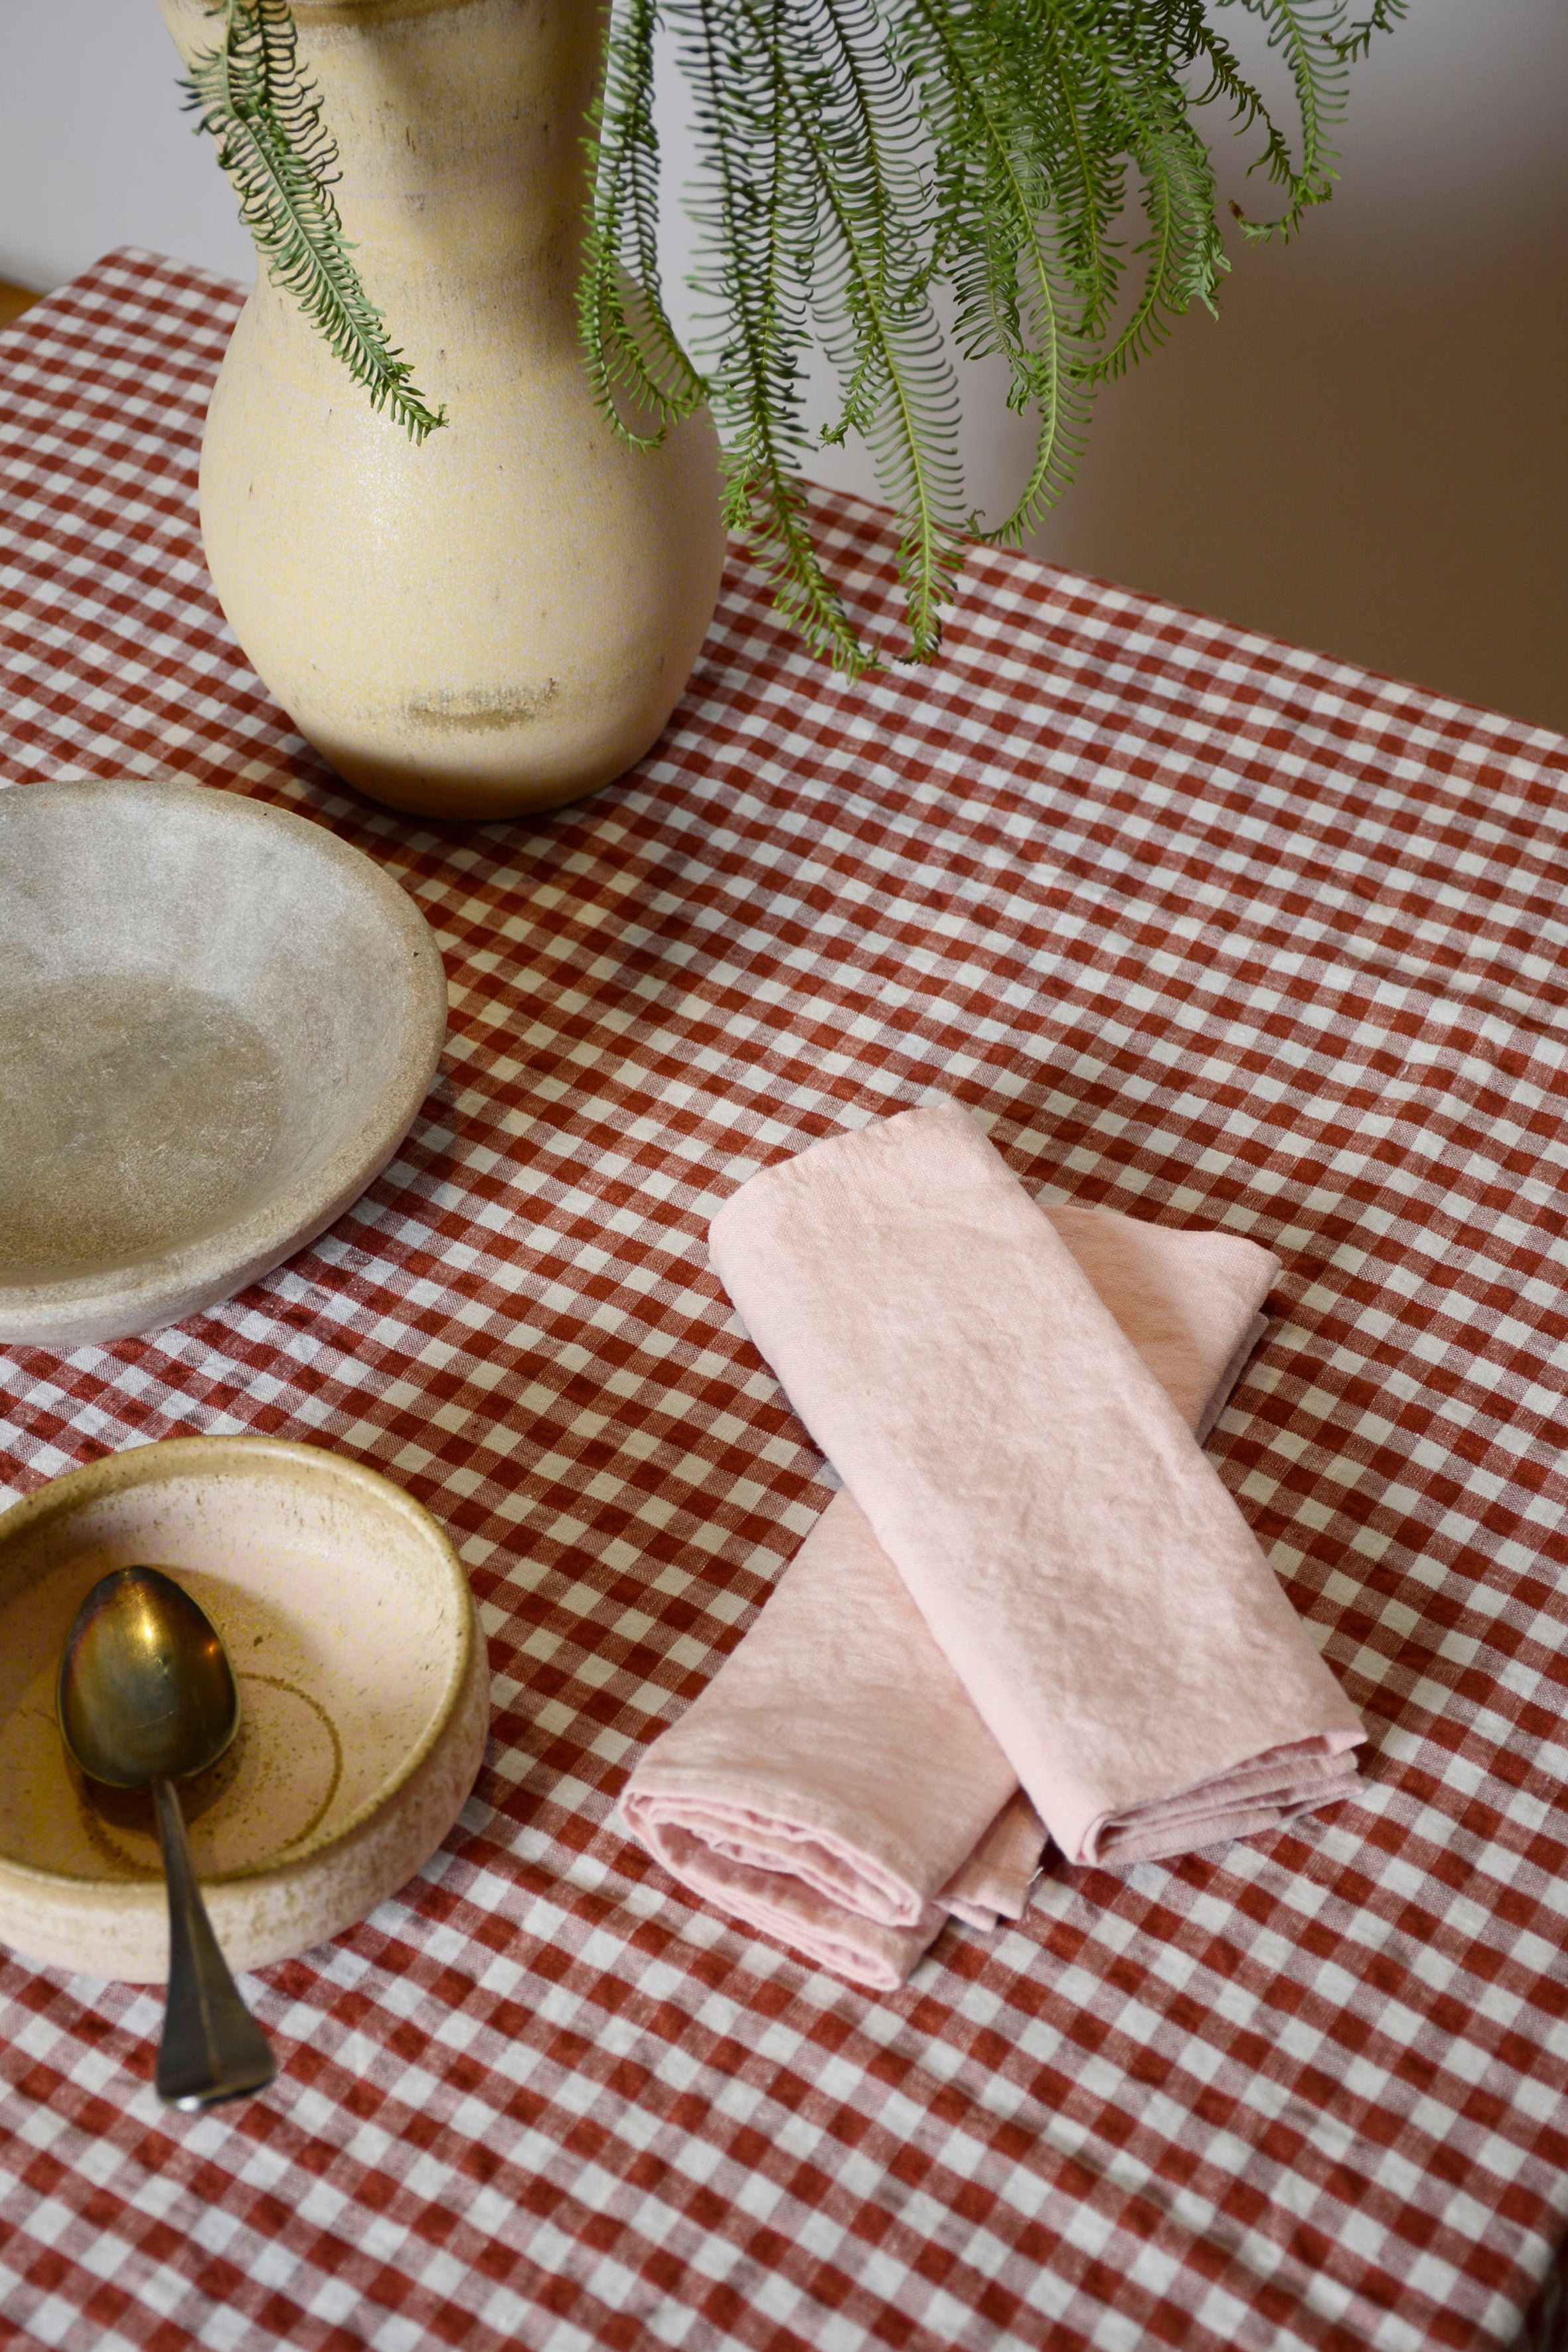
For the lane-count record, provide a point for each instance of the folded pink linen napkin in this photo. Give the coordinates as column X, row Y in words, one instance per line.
column 835, row 1784
column 1076, row 1557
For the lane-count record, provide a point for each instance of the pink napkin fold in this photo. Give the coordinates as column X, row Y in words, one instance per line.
column 836, row 1785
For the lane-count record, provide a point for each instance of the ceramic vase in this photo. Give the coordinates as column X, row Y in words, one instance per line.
column 503, row 618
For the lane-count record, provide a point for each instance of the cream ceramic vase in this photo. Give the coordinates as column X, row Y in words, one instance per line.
column 501, row 619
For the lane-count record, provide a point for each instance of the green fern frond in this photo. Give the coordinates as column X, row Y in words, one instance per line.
column 1357, row 42
column 809, row 230
column 1142, row 110
column 1306, row 33
column 854, row 143
column 250, row 97
column 1017, row 284
column 627, row 338
column 758, row 233
column 1087, row 188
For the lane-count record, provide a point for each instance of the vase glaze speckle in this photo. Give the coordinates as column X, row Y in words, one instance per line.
column 502, row 619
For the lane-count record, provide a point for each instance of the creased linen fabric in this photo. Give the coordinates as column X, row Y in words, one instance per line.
column 834, row 1775
column 1076, row 1557
column 835, row 1784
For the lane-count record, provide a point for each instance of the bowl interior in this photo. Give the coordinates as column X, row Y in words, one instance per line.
column 201, row 1003
column 345, row 1619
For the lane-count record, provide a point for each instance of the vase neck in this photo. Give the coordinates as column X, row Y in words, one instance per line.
column 459, row 126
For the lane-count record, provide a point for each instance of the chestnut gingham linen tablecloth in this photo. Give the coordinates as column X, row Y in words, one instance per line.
column 1202, row 926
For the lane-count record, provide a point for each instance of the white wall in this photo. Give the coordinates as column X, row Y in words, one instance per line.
column 94, row 150
column 1366, row 454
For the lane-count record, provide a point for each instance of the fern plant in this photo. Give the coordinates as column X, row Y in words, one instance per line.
column 249, row 94
column 888, row 183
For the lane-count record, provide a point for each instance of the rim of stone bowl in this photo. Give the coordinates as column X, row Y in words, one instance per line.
column 149, row 1293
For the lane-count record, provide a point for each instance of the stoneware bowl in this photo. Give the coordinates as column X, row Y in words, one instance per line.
column 217, row 1025
column 364, row 1701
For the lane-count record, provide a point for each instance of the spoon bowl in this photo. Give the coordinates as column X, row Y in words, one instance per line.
column 146, row 1691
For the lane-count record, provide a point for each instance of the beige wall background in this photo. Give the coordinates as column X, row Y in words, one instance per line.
column 1368, row 454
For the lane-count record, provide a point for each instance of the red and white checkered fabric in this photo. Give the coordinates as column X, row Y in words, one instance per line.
column 1204, row 927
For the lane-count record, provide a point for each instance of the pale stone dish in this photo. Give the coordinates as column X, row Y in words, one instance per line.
column 364, row 1689
column 218, row 1022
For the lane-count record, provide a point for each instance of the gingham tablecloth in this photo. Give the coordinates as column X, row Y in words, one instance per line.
column 1202, row 926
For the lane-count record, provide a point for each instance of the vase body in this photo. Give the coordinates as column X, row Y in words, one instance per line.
column 503, row 619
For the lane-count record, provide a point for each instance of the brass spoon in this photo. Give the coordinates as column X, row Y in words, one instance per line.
column 147, row 1694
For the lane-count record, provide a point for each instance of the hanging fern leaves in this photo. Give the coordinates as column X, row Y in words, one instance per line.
column 251, row 98
column 1132, row 104
column 810, row 233
column 1307, row 34
column 630, row 345
column 1385, row 14
column 867, row 167
column 1025, row 288
column 857, row 138
column 827, row 226
column 759, row 229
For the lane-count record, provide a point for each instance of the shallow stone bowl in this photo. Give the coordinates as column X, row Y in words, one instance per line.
column 363, row 1691
column 218, row 1022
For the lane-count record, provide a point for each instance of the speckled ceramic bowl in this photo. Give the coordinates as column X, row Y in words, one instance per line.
column 364, row 1701
column 217, row 1025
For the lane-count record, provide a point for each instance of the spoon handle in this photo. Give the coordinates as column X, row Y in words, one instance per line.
column 212, row 2048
